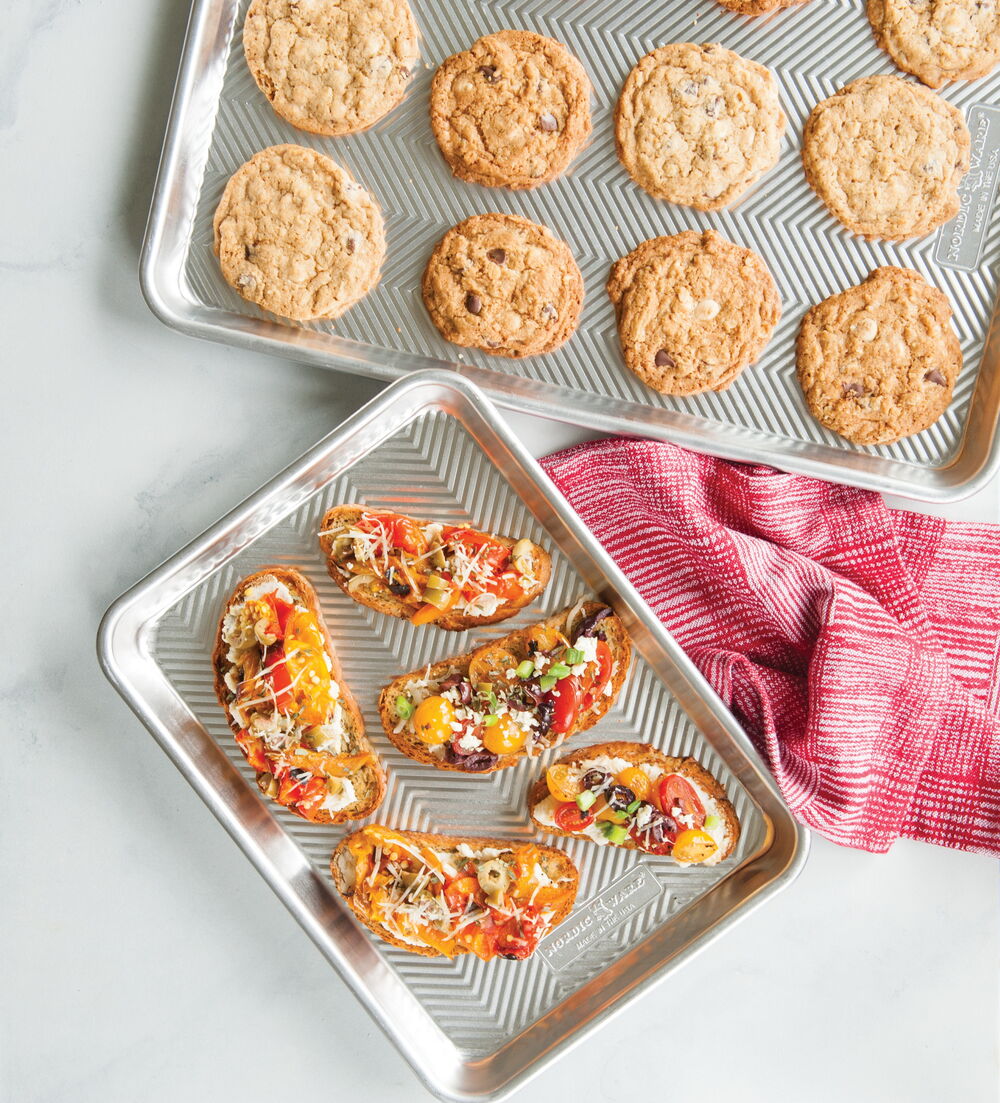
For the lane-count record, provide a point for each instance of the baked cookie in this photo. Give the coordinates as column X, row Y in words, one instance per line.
column 878, row 362
column 886, row 156
column 295, row 234
column 511, row 111
column 697, row 125
column 331, row 66
column 693, row 311
column 505, row 285
column 758, row 7
column 938, row 40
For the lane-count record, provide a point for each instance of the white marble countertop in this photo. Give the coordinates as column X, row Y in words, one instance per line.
column 144, row 958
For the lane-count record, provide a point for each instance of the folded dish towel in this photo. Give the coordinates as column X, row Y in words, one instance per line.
column 858, row 645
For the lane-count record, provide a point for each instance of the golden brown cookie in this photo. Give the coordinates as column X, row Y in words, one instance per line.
column 886, row 156
column 331, row 66
column 503, row 284
column 693, row 311
column 938, row 40
column 511, row 111
column 295, row 234
column 697, row 125
column 878, row 362
column 758, row 7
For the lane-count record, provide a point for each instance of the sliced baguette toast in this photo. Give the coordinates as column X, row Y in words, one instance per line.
column 377, row 595
column 727, row 832
column 555, row 864
column 369, row 779
column 490, row 661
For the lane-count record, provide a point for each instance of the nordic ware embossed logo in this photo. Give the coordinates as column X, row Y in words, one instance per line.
column 960, row 242
column 598, row 917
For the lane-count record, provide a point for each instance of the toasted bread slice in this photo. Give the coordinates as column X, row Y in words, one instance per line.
column 490, row 663
column 556, row 866
column 368, row 778
column 725, row 832
column 372, row 590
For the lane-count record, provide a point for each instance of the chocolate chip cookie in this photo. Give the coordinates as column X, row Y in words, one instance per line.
column 511, row 111
column 886, row 156
column 331, row 66
column 295, row 234
column 938, row 40
column 758, row 7
column 693, row 311
column 503, row 284
column 697, row 125
column 878, row 362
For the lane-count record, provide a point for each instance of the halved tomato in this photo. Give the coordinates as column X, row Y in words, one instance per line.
column 400, row 531
column 675, row 791
column 568, row 817
column 597, row 677
column 567, row 697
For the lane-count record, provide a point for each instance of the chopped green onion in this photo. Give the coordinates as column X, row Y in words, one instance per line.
column 633, row 807
column 559, row 670
column 525, row 669
column 586, row 799
column 490, row 719
column 404, row 707
column 712, row 821
column 573, row 656
column 547, row 682
column 613, row 832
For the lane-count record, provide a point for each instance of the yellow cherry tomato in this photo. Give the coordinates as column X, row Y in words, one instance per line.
column 563, row 784
column 637, row 780
column 305, row 662
column 694, row 845
column 603, row 811
column 432, row 720
column 505, row 737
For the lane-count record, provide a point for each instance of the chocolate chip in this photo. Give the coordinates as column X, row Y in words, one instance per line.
column 663, row 359
column 713, row 107
column 548, row 122
column 498, row 256
column 934, row 376
column 473, row 303
column 853, row 388
column 549, row 312
column 247, row 252
column 350, row 246
column 489, row 73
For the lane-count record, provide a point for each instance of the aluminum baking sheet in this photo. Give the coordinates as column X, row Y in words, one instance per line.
column 434, row 446
column 220, row 119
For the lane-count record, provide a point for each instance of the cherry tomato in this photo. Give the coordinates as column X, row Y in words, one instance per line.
column 637, row 780
column 505, row 736
column 497, row 555
column 433, row 719
column 693, row 845
column 400, row 531
column 281, row 680
column 282, row 611
column 306, row 668
column 674, row 791
column 568, row 817
column 459, row 888
column 598, row 676
column 563, row 782
column 566, row 697
column 650, row 845
column 313, row 794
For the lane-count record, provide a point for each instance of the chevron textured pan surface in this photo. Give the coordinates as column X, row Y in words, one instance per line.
column 813, row 50
column 433, row 468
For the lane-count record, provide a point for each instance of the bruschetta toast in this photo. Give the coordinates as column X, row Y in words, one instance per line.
column 513, row 697
column 441, row 895
column 634, row 796
column 277, row 678
column 449, row 575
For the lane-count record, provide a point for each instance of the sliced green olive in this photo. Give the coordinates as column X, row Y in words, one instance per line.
column 437, row 558
column 523, row 554
column 494, row 877
column 267, row 784
column 438, row 598
column 343, row 548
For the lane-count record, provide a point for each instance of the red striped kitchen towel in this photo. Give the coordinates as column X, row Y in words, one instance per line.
column 858, row 645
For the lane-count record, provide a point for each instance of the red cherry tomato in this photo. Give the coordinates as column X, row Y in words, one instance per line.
column 281, row 682
column 568, row 817
column 459, row 888
column 282, row 611
column 253, row 748
column 567, row 697
column 674, row 791
column 650, row 845
column 496, row 555
column 599, row 676
column 400, row 531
